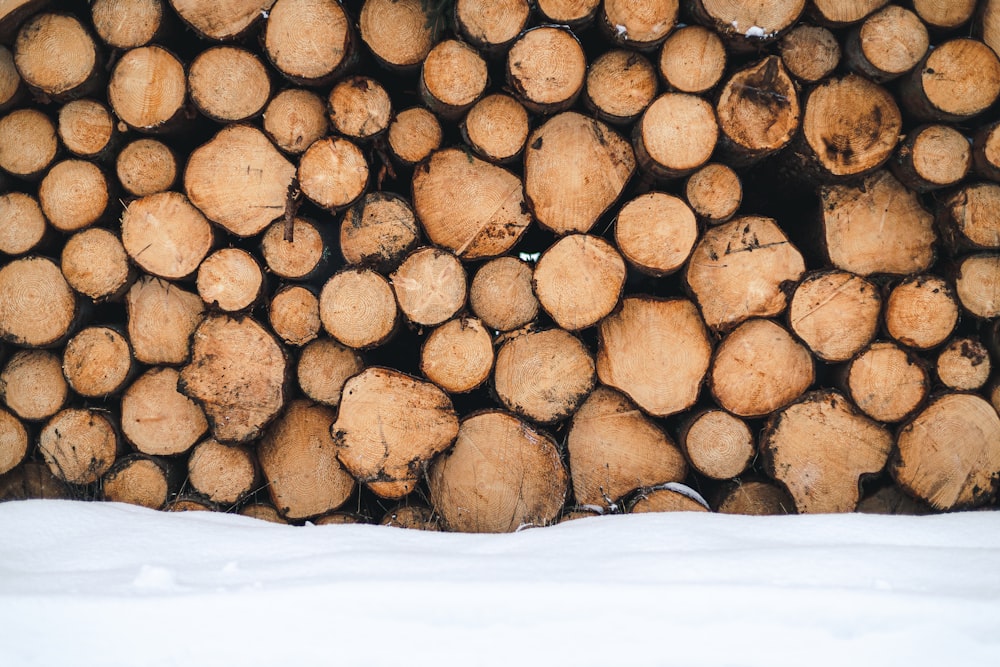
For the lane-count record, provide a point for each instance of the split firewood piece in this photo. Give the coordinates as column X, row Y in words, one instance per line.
column 293, row 312
column 359, row 107
column 656, row 352
column 24, row 227
column 501, row 294
column 543, row 375
column 430, row 286
column 670, row 497
column 714, row 193
column 412, row 517
column 333, row 173
column 399, row 33
column 224, row 21
column 293, row 249
column 156, row 418
column 86, row 128
column 977, row 284
column 878, row 226
column 165, row 235
column 755, row 498
column 760, row 368
column 891, row 500
column 820, row 447
column 146, row 167
column 38, row 308
column 969, row 217
column 14, row 441
column 810, row 52
column 414, row 134
column 228, row 84
column 469, row 206
column 237, row 373
column 962, row 474
column 239, row 180
column 638, row 25
column 578, row 280
column 127, row 24
column 615, row 449
column 932, row 157
column 850, row 127
column 57, row 57
column 738, row 269
column 74, row 194
column 458, row 355
column 389, row 426
column 957, row 80
column 262, row 512
column 148, row 88
column 79, row 445
column 656, row 233
column 32, row 480
column 837, row 13
column 295, row 118
column 575, row 168
column 747, row 26
column 718, row 444
column 324, row 367
column 161, row 319
column 230, row 279
column 546, row 68
column 835, row 313
column 309, row 41
column 620, row 85
column 676, row 134
column 97, row 361
column 887, row 45
column 692, row 60
column 138, row 479
column 28, row 143
column 358, row 307
column 758, row 111
column 496, row 128
column 11, row 85
column 453, row 77
column 378, row 231
column 222, row 474
column 886, row 382
column 964, row 364
column 501, row 475
column 491, row 26
column 986, row 151
column 921, row 311
column 32, row 384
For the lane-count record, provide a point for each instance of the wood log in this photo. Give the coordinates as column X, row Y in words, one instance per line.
column 452, row 78
column 14, row 441
column 87, row 129
column 932, row 157
column 223, row 21
column 310, row 42
column 412, row 517
column 230, row 280
column 379, row 231
column 97, row 361
column 148, row 88
column 620, row 84
column 886, row 383
column 501, row 294
column 414, row 134
column 33, row 480
column 614, row 449
column 324, row 367
column 837, row 13
column 656, row 233
column 74, row 194
column 714, row 193
column 24, row 226
column 671, row 497
column 921, row 311
column 546, row 69
column 820, row 447
column 758, row 111
column 496, row 128
column 399, row 33
column 127, row 24
column 575, row 169
column 501, row 475
column 228, row 84
column 156, row 418
column 96, row 265
column 718, row 444
column 944, row 14
column 574, row 513
column 543, row 375
column 161, row 318
column 964, row 364
column 359, row 107
column 575, row 14
column 638, row 25
column 79, row 445
column 295, row 118
column 968, row 218
column 579, row 280
column 38, row 308
column 145, row 167
column 810, row 52
column 746, row 26
column 339, row 518
column 756, row 498
column 693, row 60
column 333, row 173
column 28, row 143
column 458, row 355
column 675, row 135
column 891, row 500
column 262, row 512
column 32, row 384
column 759, row 368
column 656, row 352
column 165, row 235
column 835, row 313
column 238, row 374
column 189, row 503
column 957, row 80
column 294, row 249
column 887, row 45
column 57, row 57
column 977, row 284
column 389, row 426
column 11, row 84
column 491, row 26
column 430, row 286
column 963, row 474
column 358, row 308
column 293, row 313
column 986, row 151
column 138, row 479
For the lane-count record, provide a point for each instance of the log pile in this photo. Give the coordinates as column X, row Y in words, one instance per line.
column 478, row 265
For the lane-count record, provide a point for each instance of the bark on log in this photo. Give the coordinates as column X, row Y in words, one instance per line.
column 379, row 231
column 969, row 218
column 360, row 108
column 57, row 57
column 546, row 68
column 964, row 364
column 958, row 80
column 888, row 44
column 33, row 480
column 932, row 157
column 452, row 78
column 758, row 112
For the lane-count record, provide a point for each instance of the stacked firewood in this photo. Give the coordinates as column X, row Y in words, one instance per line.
column 485, row 264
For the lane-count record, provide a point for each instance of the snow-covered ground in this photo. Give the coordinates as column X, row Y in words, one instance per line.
column 106, row 584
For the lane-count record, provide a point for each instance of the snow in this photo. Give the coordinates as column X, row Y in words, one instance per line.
column 108, row 584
